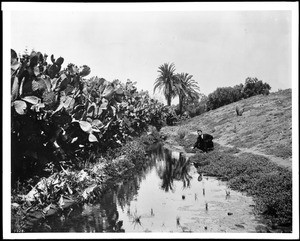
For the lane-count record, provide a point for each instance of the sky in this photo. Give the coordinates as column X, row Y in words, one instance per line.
column 219, row 48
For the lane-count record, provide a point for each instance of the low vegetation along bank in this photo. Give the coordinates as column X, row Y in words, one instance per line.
column 242, row 151
column 58, row 193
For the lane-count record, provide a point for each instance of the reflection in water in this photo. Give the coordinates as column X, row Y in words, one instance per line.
column 101, row 217
column 172, row 168
column 148, row 201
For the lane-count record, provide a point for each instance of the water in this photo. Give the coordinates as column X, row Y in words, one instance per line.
column 167, row 196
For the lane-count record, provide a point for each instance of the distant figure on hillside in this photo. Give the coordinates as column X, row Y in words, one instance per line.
column 204, row 142
column 239, row 110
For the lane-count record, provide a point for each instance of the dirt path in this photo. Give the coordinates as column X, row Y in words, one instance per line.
column 172, row 144
column 279, row 161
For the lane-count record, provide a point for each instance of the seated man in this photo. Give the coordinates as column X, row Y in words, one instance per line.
column 204, row 142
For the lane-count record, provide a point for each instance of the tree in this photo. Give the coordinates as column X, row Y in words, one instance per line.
column 187, row 89
column 196, row 106
column 223, row 96
column 166, row 81
column 253, row 86
column 226, row 95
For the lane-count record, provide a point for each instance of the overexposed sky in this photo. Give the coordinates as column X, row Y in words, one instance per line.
column 219, row 48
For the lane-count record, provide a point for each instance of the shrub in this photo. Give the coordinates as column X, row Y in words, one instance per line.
column 239, row 110
column 196, row 107
column 151, row 137
column 134, row 151
column 59, row 116
column 223, row 96
column 275, row 196
column 269, row 184
column 226, row 95
column 182, row 133
column 253, row 86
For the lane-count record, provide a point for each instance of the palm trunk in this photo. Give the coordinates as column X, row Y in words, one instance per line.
column 169, row 97
column 180, row 105
column 169, row 101
column 181, row 99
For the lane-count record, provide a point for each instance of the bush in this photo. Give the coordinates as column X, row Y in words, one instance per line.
column 226, row 95
column 274, row 192
column 253, row 86
column 134, row 151
column 269, row 184
column 182, row 133
column 195, row 107
column 223, row 96
column 59, row 116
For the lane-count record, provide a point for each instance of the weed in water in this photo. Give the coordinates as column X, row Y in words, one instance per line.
column 152, row 213
column 136, row 220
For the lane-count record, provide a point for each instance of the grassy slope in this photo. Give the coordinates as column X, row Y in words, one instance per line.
column 265, row 128
column 253, row 152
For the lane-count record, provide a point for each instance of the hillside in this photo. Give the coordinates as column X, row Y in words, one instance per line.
column 265, row 128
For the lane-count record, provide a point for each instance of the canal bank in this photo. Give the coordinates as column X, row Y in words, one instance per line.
column 166, row 189
column 167, row 195
column 60, row 192
column 268, row 183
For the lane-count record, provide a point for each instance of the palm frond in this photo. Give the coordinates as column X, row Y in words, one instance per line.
column 166, row 80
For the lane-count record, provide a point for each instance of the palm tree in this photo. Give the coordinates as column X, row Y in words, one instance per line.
column 166, row 81
column 186, row 88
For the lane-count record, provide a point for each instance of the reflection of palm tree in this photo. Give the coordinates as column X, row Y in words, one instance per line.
column 175, row 170
column 182, row 171
column 168, row 175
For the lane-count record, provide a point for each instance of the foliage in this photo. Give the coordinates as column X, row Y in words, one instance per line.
column 58, row 115
column 270, row 184
column 166, row 81
column 226, row 95
column 134, row 151
column 53, row 194
column 253, row 86
column 152, row 136
column 182, row 133
column 275, row 196
column 195, row 107
column 171, row 116
column 187, row 89
column 223, row 96
column 182, row 85
column 67, row 187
